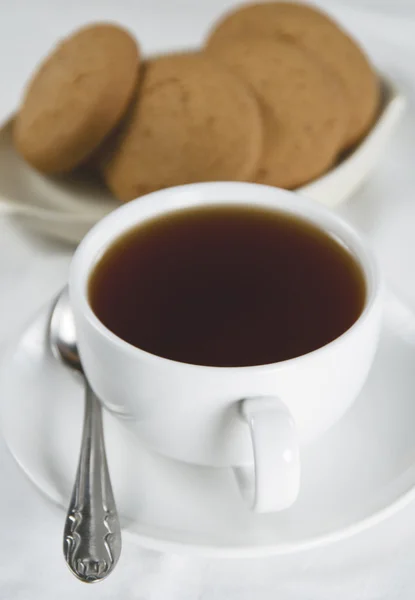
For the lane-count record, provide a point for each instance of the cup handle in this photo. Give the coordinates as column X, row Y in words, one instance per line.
column 273, row 484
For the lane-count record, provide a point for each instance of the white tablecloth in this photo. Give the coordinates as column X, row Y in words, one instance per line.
column 378, row 564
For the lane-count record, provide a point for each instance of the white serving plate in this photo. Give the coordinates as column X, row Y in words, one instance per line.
column 67, row 207
column 357, row 474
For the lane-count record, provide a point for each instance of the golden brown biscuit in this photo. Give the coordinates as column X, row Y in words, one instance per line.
column 316, row 33
column 76, row 97
column 192, row 121
column 304, row 113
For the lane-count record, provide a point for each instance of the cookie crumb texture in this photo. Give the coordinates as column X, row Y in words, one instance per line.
column 192, row 121
column 315, row 32
column 76, row 97
column 305, row 115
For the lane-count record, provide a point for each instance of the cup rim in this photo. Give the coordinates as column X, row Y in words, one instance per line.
column 161, row 202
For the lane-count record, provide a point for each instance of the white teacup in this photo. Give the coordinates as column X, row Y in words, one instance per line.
column 251, row 418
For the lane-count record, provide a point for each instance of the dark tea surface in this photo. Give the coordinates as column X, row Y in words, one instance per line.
column 227, row 286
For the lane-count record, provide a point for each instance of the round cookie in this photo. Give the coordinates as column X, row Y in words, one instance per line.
column 192, row 121
column 305, row 116
column 316, row 33
column 76, row 97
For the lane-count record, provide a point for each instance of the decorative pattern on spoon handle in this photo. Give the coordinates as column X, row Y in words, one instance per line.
column 92, row 534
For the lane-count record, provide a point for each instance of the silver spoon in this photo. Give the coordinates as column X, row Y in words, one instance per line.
column 92, row 534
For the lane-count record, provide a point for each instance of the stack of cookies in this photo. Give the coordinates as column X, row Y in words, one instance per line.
column 276, row 95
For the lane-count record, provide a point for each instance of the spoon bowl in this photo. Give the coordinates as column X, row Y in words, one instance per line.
column 62, row 332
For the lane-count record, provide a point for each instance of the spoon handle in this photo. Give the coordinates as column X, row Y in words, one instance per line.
column 92, row 534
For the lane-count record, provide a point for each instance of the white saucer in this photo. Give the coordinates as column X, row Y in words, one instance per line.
column 67, row 207
column 360, row 472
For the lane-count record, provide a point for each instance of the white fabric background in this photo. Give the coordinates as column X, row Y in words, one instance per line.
column 376, row 565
